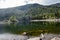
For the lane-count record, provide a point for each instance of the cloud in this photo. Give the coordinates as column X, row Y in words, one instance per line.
column 47, row 2
column 34, row 1
column 44, row 2
column 14, row 3
column 11, row 3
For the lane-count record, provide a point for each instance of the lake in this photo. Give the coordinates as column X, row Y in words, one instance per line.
column 32, row 29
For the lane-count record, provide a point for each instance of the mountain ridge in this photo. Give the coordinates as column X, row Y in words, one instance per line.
column 22, row 10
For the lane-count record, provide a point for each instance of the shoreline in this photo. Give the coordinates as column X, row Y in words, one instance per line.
column 47, row 20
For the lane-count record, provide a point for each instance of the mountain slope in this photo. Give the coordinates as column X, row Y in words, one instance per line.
column 33, row 9
column 19, row 11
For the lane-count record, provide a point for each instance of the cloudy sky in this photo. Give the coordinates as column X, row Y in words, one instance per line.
column 14, row 3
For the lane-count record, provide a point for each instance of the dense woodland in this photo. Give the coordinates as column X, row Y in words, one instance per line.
column 44, row 12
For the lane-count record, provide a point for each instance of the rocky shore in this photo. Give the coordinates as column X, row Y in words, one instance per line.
column 7, row 36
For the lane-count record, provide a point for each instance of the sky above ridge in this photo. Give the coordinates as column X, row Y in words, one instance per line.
column 14, row 3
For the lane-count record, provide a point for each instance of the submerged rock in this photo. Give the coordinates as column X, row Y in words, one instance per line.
column 46, row 37
column 12, row 37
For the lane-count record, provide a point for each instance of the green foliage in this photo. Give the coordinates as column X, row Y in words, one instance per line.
column 12, row 18
column 44, row 12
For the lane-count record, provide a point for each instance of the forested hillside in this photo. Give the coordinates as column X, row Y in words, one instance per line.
column 35, row 11
column 44, row 12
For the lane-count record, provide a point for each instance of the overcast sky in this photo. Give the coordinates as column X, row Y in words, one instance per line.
column 14, row 3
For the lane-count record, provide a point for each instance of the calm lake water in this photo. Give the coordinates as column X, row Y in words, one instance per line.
column 50, row 27
column 33, row 28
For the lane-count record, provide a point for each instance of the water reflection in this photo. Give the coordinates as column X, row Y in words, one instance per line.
column 33, row 28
